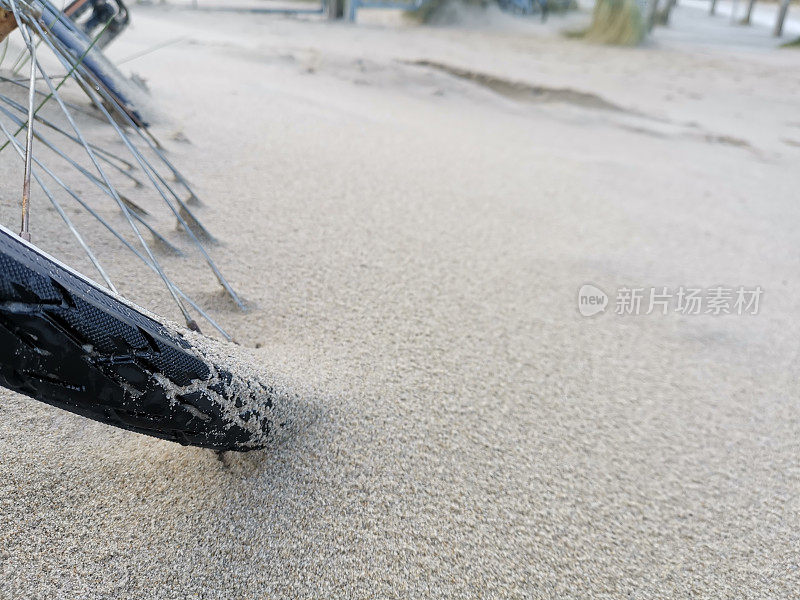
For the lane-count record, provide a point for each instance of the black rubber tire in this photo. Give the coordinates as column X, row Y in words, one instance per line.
column 67, row 342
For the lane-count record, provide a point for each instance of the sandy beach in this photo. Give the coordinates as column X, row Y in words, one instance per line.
column 409, row 213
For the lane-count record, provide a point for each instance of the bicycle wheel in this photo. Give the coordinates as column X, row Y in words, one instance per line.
column 67, row 341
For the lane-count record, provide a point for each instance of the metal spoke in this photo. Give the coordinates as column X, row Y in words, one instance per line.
column 77, row 74
column 47, row 122
column 26, row 34
column 102, row 186
column 61, row 212
column 101, row 153
column 74, row 107
column 26, row 184
column 119, row 236
column 80, row 75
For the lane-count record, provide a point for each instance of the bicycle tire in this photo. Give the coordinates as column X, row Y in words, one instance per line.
column 71, row 344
